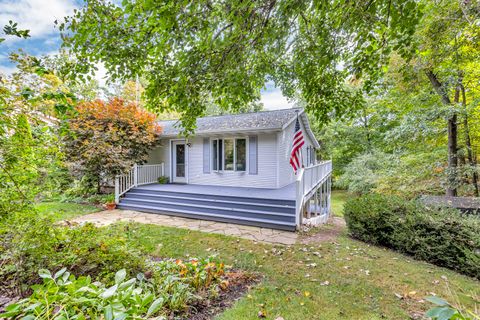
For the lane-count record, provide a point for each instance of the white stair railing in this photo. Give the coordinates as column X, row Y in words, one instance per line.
column 313, row 183
column 149, row 173
column 136, row 176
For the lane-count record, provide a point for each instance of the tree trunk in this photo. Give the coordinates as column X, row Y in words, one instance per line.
column 468, row 143
column 452, row 133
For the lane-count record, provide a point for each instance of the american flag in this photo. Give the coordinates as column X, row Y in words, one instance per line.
column 295, row 156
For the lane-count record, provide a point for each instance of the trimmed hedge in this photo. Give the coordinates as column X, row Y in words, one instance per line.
column 440, row 236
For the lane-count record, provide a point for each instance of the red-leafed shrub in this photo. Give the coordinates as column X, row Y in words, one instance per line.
column 107, row 138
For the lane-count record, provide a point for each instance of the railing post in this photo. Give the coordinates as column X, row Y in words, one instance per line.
column 300, row 188
column 117, row 190
column 135, row 175
column 329, row 194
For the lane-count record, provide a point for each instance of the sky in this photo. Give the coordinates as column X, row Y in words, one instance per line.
column 39, row 15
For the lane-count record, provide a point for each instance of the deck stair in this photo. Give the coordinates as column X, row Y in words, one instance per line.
column 270, row 212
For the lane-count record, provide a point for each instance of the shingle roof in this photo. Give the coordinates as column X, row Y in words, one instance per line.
column 264, row 120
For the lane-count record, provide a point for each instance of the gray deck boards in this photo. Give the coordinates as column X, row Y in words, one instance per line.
column 285, row 193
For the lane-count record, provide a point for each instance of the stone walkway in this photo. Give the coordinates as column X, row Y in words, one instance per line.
column 104, row 218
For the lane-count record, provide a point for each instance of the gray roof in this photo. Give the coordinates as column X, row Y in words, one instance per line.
column 255, row 121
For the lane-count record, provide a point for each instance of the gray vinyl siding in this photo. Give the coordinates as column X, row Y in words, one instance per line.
column 284, row 141
column 267, row 170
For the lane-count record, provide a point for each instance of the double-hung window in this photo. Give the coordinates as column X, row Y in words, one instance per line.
column 229, row 154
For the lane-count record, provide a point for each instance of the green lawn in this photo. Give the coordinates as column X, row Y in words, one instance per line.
column 64, row 210
column 344, row 279
column 339, row 197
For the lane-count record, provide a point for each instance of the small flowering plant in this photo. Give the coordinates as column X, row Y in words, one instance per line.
column 198, row 273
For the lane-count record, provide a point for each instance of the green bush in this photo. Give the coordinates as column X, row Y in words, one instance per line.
column 437, row 235
column 37, row 243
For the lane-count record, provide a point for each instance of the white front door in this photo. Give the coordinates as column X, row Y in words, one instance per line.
column 179, row 162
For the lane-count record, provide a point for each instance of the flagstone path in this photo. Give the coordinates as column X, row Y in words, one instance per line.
column 107, row 217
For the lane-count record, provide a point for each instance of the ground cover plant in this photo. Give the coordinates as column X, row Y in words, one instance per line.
column 438, row 235
column 171, row 287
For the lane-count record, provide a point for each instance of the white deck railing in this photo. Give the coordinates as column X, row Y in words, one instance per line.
column 138, row 175
column 313, row 183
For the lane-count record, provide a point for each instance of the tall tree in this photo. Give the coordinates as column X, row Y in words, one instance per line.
column 448, row 38
column 198, row 53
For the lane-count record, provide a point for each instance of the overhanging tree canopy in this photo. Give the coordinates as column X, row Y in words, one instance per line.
column 195, row 53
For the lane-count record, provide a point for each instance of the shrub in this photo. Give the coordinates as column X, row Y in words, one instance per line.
column 37, row 242
column 438, row 235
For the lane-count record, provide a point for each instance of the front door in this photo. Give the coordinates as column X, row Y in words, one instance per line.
column 179, row 162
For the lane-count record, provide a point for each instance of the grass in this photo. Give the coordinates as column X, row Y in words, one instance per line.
column 64, row 210
column 339, row 197
column 350, row 279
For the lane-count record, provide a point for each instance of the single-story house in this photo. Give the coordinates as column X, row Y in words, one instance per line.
column 236, row 168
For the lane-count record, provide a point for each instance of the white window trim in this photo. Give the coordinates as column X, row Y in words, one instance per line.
column 234, row 138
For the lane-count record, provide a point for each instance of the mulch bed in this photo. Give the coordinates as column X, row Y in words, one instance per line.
column 239, row 283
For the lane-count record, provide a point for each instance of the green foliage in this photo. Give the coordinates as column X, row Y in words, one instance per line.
column 362, row 174
column 11, row 29
column 405, row 117
column 37, row 242
column 196, row 54
column 18, row 170
column 437, row 235
column 163, row 179
column 29, row 140
column 65, row 297
column 445, row 311
column 171, row 287
column 395, row 173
